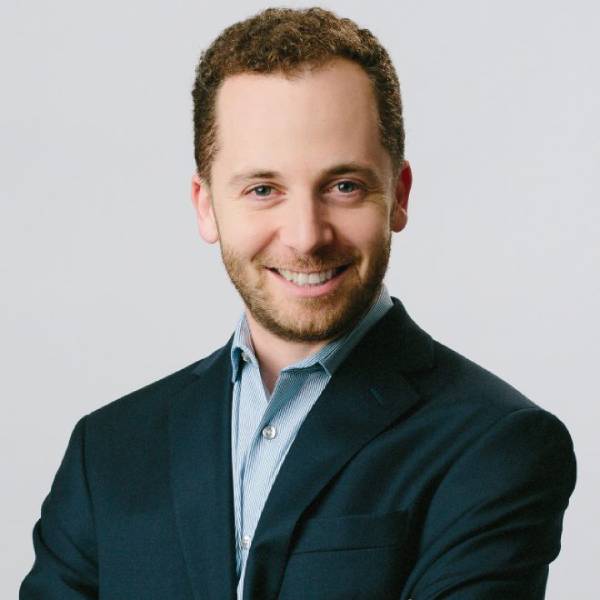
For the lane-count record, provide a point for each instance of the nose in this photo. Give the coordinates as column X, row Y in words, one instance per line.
column 306, row 226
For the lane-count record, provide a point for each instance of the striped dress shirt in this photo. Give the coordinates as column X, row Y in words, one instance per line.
column 264, row 427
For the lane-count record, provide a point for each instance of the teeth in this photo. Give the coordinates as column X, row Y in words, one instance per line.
column 307, row 278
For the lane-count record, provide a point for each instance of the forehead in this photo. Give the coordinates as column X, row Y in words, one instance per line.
column 327, row 113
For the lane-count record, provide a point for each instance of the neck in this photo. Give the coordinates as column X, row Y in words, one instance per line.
column 274, row 353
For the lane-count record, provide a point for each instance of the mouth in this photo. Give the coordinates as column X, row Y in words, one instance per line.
column 312, row 278
column 309, row 279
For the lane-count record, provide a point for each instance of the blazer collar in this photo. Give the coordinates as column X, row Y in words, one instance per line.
column 369, row 391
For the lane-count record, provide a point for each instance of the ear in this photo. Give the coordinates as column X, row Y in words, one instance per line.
column 205, row 214
column 399, row 215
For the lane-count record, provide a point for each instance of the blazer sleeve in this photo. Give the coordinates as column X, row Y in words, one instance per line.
column 495, row 521
column 64, row 539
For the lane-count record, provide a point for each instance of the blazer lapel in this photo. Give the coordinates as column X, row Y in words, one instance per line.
column 200, row 440
column 367, row 393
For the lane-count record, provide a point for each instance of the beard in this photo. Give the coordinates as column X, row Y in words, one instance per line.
column 308, row 319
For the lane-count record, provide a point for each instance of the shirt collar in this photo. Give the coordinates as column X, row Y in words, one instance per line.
column 242, row 349
column 329, row 357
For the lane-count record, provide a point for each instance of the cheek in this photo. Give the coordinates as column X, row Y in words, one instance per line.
column 244, row 235
column 366, row 231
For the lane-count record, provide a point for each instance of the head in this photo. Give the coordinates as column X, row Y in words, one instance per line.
column 301, row 177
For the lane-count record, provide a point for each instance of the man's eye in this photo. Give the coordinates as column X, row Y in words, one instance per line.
column 262, row 190
column 347, row 187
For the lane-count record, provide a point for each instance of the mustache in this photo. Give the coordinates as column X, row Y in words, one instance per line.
column 308, row 263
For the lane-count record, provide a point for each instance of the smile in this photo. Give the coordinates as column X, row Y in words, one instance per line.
column 309, row 279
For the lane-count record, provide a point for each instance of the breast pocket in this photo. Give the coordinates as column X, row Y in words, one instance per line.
column 352, row 532
column 355, row 556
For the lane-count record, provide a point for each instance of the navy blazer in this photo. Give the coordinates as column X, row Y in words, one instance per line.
column 417, row 474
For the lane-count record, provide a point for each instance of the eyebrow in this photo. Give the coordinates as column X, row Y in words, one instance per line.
column 343, row 168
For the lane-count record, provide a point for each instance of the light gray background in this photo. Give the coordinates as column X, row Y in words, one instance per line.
column 106, row 286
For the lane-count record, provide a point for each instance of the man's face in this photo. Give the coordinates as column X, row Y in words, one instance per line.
column 302, row 198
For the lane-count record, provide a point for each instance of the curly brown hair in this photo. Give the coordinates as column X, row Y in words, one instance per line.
column 284, row 40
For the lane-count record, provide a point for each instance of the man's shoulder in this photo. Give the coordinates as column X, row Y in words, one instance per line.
column 441, row 376
column 467, row 409
column 452, row 389
column 459, row 394
column 462, row 379
column 152, row 401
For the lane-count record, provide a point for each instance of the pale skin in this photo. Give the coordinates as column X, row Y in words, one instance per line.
column 301, row 182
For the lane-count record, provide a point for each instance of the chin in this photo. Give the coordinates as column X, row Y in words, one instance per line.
column 313, row 319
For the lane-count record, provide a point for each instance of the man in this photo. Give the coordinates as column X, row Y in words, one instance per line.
column 331, row 449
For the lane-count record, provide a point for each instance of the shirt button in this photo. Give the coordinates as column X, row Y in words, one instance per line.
column 269, row 432
column 245, row 357
column 246, row 539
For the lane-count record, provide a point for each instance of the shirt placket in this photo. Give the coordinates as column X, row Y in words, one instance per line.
column 262, row 460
